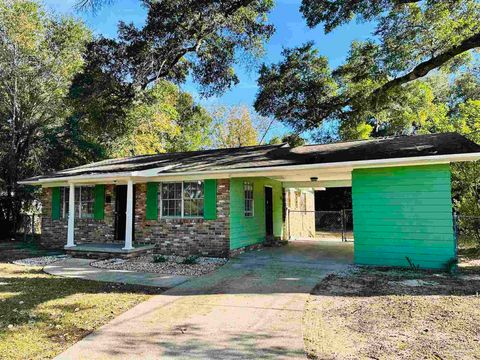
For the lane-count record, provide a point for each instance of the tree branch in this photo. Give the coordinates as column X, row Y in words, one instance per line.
column 404, row 2
column 425, row 67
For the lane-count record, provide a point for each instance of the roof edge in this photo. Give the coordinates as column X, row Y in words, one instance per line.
column 358, row 164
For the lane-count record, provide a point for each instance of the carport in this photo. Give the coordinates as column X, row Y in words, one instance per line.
column 401, row 196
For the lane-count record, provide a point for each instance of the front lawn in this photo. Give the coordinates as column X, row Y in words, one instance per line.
column 16, row 250
column 384, row 314
column 41, row 315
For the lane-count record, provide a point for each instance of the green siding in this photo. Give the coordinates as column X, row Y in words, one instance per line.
column 403, row 211
column 151, row 212
column 210, row 202
column 246, row 231
column 99, row 202
column 55, row 203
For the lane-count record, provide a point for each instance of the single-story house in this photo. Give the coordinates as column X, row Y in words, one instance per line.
column 219, row 202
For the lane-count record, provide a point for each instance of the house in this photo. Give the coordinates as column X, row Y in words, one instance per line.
column 219, row 202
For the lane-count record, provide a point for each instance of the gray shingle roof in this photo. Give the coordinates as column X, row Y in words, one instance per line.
column 281, row 155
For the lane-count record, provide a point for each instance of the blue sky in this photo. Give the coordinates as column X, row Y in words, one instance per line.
column 291, row 31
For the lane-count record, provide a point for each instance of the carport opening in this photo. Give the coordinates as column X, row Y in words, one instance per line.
column 321, row 215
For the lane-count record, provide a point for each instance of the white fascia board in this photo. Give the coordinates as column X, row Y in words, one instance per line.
column 153, row 175
column 110, row 178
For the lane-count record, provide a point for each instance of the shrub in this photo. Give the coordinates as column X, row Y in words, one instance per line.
column 159, row 259
column 190, row 260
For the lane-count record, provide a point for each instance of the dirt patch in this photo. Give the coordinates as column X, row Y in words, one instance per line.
column 384, row 314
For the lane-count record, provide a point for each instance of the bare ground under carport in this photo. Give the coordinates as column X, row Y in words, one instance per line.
column 250, row 308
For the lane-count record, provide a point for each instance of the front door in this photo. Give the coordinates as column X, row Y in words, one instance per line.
column 120, row 211
column 268, row 213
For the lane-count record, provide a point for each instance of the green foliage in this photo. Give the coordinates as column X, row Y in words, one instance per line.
column 293, row 140
column 163, row 119
column 466, row 193
column 276, row 140
column 39, row 56
column 190, row 260
column 233, row 127
column 412, row 265
column 159, row 259
column 451, row 266
column 374, row 91
column 291, row 89
column 182, row 37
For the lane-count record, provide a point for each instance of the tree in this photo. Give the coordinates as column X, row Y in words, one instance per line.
column 201, row 38
column 233, row 127
column 166, row 119
column 411, row 39
column 39, row 55
column 416, row 36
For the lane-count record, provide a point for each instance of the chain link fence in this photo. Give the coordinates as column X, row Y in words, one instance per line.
column 320, row 225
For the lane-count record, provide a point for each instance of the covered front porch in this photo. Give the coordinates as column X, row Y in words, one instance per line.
column 114, row 210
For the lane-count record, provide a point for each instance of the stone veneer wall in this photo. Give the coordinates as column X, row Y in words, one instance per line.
column 54, row 232
column 186, row 237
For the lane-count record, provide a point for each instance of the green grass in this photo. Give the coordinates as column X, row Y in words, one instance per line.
column 47, row 314
column 14, row 250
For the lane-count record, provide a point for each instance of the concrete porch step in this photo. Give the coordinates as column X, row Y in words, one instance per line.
column 105, row 251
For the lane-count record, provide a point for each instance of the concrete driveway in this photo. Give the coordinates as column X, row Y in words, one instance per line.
column 251, row 308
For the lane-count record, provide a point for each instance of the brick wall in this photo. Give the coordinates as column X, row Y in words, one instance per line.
column 54, row 232
column 171, row 236
column 186, row 236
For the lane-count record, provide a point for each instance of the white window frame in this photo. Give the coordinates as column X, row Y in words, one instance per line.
column 202, row 199
column 64, row 194
column 78, row 206
column 182, row 200
column 92, row 214
column 251, row 213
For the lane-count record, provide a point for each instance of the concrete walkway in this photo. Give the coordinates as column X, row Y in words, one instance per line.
column 80, row 268
column 251, row 308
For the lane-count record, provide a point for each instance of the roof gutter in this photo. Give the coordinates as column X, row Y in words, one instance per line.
column 350, row 165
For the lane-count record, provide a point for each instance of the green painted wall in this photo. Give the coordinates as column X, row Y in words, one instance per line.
column 251, row 230
column 403, row 211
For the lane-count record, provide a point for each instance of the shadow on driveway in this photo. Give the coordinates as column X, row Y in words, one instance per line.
column 250, row 308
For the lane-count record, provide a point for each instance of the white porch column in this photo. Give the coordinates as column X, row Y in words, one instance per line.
column 71, row 217
column 129, row 217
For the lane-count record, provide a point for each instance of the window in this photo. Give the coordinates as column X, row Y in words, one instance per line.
column 248, row 192
column 84, row 200
column 84, row 205
column 182, row 199
column 64, row 197
column 171, row 199
column 193, row 199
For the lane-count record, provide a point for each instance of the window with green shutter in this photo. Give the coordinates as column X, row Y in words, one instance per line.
column 151, row 212
column 99, row 202
column 210, row 199
column 55, row 203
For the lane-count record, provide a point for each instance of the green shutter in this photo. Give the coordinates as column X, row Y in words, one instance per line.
column 99, row 203
column 152, row 201
column 55, row 203
column 210, row 202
